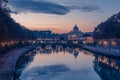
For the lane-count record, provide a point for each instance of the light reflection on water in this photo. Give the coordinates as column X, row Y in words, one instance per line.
column 67, row 63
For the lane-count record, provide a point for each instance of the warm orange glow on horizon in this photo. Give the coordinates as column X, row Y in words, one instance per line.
column 59, row 29
column 56, row 23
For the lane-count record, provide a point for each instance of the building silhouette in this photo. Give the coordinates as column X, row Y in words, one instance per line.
column 75, row 34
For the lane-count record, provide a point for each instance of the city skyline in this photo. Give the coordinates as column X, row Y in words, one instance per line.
column 59, row 40
column 61, row 16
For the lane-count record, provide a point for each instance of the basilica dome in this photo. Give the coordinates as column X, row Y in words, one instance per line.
column 75, row 29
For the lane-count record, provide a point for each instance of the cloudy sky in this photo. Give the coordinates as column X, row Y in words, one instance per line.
column 61, row 15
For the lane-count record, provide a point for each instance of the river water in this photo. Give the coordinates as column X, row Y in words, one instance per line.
column 66, row 64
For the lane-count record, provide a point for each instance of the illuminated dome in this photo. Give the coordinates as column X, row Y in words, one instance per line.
column 75, row 29
column 75, row 34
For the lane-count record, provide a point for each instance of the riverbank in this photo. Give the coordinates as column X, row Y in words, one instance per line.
column 102, row 51
column 8, row 62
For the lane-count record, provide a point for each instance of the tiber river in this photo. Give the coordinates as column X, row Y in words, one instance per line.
column 66, row 64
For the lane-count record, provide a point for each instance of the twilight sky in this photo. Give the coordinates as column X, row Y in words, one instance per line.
column 61, row 15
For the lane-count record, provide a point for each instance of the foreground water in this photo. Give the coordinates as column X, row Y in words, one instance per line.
column 66, row 64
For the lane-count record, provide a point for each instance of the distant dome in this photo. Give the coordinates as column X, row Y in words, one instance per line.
column 75, row 29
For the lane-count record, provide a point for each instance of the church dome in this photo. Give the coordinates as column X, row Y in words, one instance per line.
column 75, row 29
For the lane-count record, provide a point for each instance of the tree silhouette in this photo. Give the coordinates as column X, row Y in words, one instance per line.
column 9, row 29
column 3, row 6
column 110, row 29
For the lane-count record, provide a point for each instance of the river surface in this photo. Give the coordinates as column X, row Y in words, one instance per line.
column 66, row 64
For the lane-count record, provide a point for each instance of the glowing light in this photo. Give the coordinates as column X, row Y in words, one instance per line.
column 105, row 43
column 113, row 43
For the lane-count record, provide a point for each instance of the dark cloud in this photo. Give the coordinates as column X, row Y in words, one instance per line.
column 86, row 8
column 41, row 6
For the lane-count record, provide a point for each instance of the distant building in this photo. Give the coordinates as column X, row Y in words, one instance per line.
column 46, row 34
column 43, row 34
column 75, row 34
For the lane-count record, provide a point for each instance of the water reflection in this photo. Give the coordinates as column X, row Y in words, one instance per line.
column 46, row 71
column 62, row 63
column 107, row 68
column 49, row 49
column 23, row 61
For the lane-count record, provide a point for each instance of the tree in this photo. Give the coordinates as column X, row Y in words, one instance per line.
column 109, row 29
column 9, row 29
column 3, row 6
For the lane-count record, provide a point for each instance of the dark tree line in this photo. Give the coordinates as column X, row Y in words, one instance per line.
column 3, row 6
column 9, row 29
column 109, row 29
